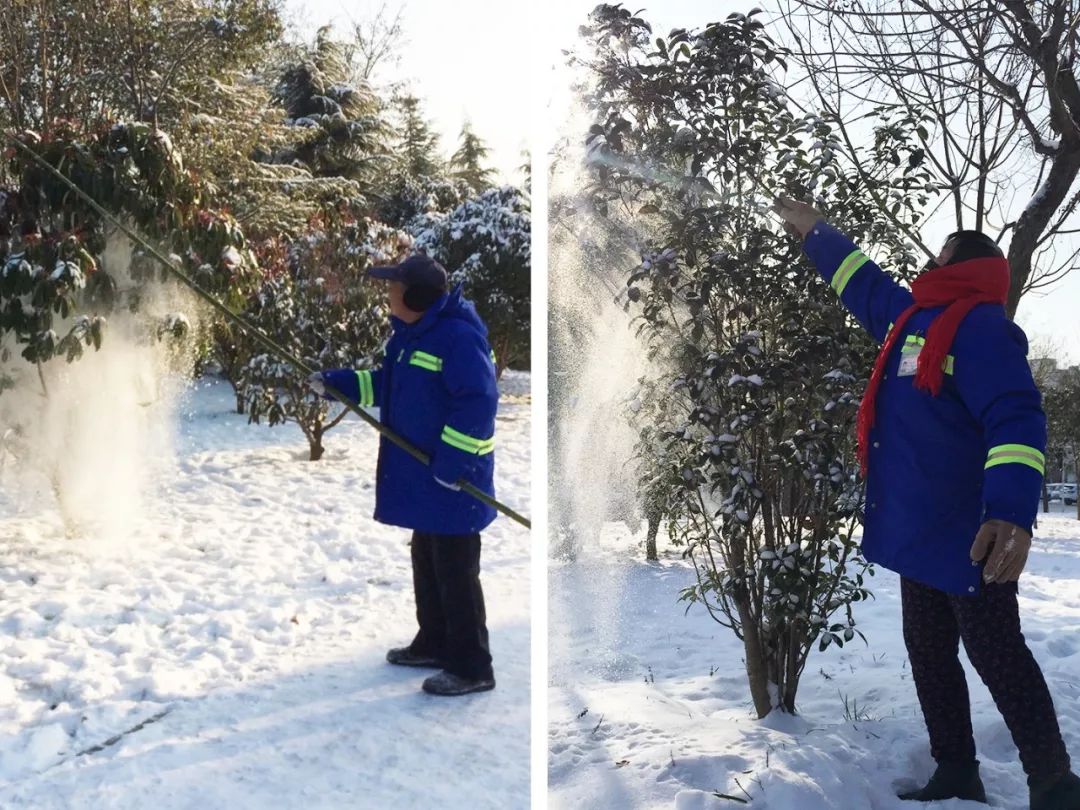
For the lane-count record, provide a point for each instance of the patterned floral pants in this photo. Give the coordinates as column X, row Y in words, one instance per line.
column 989, row 624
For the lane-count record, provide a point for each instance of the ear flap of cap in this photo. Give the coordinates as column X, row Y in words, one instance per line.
column 420, row 297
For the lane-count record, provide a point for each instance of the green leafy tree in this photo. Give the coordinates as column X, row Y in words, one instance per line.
column 762, row 368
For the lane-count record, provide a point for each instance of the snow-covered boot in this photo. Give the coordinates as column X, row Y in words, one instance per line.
column 951, row 780
column 1060, row 794
column 405, row 657
column 449, row 684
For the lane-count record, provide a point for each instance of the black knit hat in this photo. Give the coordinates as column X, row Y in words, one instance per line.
column 969, row 245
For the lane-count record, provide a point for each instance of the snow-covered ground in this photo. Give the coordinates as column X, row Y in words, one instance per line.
column 246, row 628
column 650, row 709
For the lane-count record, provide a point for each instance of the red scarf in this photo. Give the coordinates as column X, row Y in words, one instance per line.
column 959, row 287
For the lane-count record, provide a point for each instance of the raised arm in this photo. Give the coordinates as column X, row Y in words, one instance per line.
column 873, row 296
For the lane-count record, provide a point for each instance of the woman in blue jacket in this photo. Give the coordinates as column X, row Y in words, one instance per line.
column 951, row 439
column 436, row 388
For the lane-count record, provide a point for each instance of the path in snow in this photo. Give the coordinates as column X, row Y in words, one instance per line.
column 255, row 608
column 650, row 708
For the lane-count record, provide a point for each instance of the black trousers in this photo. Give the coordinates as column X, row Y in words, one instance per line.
column 450, row 603
column 989, row 624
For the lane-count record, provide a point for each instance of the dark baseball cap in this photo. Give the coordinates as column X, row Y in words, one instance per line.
column 417, row 270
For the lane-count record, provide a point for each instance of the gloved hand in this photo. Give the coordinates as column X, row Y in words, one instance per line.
column 799, row 217
column 316, row 383
column 454, row 487
column 1011, row 545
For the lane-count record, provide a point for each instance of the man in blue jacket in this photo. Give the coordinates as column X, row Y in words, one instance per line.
column 951, row 438
column 436, row 388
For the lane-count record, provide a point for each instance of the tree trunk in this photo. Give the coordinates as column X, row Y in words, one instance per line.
column 1077, row 487
column 1045, row 497
column 650, row 538
column 792, row 645
column 315, row 446
column 757, row 668
column 239, row 402
column 502, row 356
column 1035, row 218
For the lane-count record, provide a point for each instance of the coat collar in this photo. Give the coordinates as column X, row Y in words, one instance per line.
column 446, row 301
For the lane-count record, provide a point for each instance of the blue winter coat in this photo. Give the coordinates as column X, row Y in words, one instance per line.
column 437, row 389
column 940, row 466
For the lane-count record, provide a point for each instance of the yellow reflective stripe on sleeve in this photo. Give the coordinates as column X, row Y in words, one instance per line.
column 461, row 441
column 493, row 360
column 916, row 340
column 847, row 269
column 367, row 389
column 1016, row 454
column 425, row 360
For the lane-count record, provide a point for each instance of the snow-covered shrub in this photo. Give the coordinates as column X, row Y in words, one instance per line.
column 485, row 244
column 747, row 445
column 411, row 200
column 316, row 302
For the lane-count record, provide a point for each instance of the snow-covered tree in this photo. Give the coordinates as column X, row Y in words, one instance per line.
column 410, row 201
column 316, row 302
column 526, row 171
column 485, row 244
column 55, row 287
column 77, row 63
column 345, row 134
column 763, row 369
column 467, row 163
column 1062, row 404
column 660, row 481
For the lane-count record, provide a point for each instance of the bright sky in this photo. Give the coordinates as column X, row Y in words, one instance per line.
column 1051, row 316
column 465, row 59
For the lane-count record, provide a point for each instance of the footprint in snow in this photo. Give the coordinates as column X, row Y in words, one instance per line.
column 1063, row 646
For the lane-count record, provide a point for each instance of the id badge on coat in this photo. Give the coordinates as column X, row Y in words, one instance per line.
column 909, row 361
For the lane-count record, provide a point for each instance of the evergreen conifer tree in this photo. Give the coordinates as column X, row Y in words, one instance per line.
column 467, row 163
column 418, row 148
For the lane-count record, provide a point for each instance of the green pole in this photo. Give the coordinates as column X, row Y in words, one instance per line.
column 260, row 336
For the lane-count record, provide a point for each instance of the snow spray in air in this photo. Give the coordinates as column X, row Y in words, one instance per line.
column 596, row 362
column 92, row 439
column 596, row 358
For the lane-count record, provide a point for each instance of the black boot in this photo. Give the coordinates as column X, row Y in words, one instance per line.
column 407, row 657
column 451, row 685
column 951, row 780
column 1062, row 793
